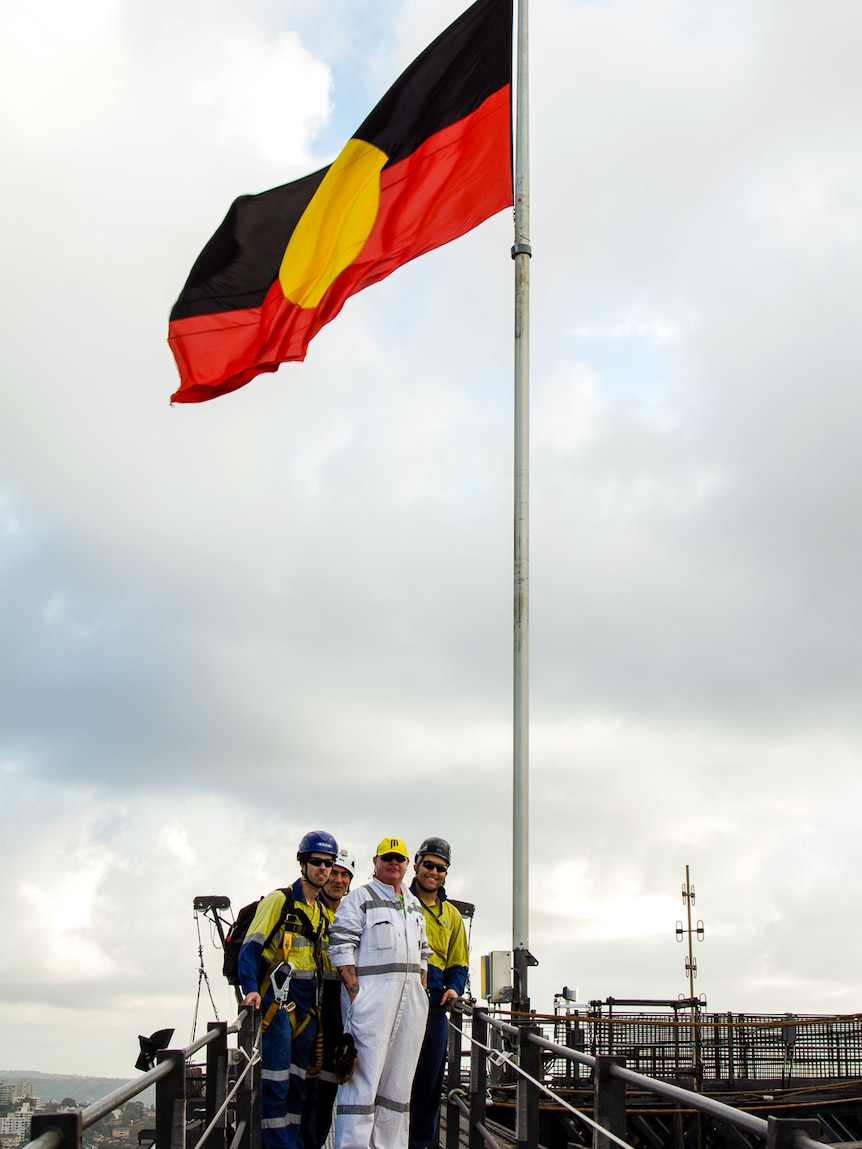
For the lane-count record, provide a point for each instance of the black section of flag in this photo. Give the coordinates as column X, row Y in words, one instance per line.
column 455, row 74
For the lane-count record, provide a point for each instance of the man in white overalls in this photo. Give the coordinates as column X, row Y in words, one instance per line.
column 378, row 944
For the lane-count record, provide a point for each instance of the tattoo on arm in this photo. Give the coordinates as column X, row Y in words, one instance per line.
column 349, row 979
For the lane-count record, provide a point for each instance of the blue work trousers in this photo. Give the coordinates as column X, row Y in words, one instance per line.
column 284, row 1059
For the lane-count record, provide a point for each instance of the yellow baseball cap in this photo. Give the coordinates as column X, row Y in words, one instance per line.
column 392, row 846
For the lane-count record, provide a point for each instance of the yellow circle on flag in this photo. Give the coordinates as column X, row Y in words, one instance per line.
column 335, row 226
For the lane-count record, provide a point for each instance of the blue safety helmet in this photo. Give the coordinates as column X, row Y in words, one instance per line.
column 316, row 842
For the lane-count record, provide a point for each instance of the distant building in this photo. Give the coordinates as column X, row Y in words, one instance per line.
column 17, row 1125
column 11, row 1091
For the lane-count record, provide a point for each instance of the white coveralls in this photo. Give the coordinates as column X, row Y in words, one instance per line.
column 387, row 945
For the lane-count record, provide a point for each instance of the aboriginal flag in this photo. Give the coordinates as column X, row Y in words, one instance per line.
column 432, row 161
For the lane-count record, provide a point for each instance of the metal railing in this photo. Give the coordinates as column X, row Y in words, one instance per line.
column 720, row 1047
column 221, row 1105
column 231, row 1091
column 523, row 1051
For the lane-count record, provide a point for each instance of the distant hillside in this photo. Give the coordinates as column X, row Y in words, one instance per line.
column 56, row 1086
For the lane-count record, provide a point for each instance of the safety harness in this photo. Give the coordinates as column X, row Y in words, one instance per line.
column 280, row 970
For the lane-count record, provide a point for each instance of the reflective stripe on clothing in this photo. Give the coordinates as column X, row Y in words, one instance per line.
column 388, row 1103
column 388, row 967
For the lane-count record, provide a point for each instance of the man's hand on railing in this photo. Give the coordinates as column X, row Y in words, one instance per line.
column 252, row 999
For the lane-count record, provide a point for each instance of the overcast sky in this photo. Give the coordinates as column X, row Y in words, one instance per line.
column 222, row 625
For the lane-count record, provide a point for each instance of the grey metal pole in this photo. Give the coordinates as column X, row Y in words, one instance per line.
column 521, row 253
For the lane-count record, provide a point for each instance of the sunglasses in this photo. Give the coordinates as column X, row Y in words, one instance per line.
column 392, row 858
column 434, row 866
column 328, row 862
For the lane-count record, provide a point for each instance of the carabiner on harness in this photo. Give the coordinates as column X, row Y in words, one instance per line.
column 280, row 981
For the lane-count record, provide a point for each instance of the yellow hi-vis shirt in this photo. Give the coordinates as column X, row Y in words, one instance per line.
column 303, row 951
column 449, row 963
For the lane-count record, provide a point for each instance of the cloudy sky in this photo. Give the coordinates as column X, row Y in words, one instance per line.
column 222, row 625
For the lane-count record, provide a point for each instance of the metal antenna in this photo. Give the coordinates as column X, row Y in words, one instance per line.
column 691, row 962
column 681, row 931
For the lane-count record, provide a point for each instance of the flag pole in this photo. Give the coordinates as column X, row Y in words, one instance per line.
column 521, row 253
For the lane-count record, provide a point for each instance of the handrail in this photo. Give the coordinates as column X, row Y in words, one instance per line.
column 757, row 1126
column 706, row 1022
column 122, row 1093
column 739, row 1117
column 454, row 1096
column 50, row 1139
column 53, row 1138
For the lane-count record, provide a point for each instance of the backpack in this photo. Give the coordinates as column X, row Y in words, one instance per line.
column 236, row 935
